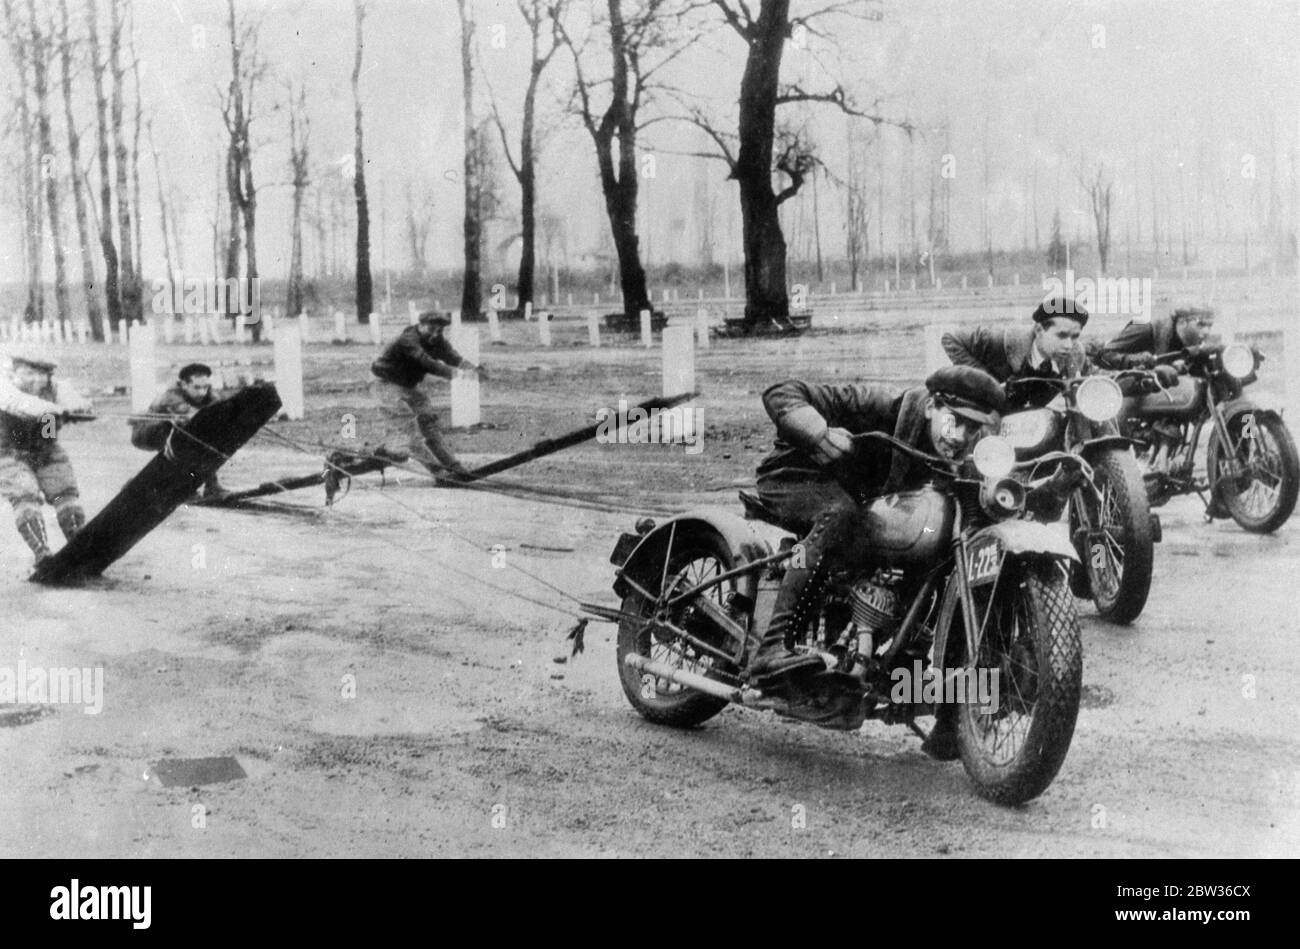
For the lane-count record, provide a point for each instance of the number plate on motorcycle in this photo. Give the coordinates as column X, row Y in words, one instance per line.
column 983, row 560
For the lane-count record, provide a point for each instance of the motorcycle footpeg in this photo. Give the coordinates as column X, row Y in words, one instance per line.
column 782, row 681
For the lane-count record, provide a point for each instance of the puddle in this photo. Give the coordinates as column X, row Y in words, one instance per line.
column 191, row 772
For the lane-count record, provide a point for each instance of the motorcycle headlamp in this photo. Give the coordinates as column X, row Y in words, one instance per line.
column 1098, row 398
column 1238, row 361
column 993, row 457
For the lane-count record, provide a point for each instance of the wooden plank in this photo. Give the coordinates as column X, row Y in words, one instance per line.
column 213, row 434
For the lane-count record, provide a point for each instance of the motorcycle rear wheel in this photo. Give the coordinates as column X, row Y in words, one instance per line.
column 1118, row 570
column 1273, row 474
column 659, row 700
column 1013, row 750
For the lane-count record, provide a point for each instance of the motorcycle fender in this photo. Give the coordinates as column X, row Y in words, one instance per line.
column 1105, row 441
column 1019, row 537
column 1267, row 406
column 747, row 540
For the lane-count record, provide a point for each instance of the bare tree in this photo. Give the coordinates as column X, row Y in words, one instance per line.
column 112, row 283
column 418, row 221
column 857, row 212
column 762, row 147
column 365, row 289
column 162, row 207
column 29, row 168
column 537, row 14
column 471, row 290
column 641, row 37
column 1099, row 186
column 40, row 53
column 247, row 69
column 132, row 304
column 94, row 311
column 299, row 136
column 136, row 126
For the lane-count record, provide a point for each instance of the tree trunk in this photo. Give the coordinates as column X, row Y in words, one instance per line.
column 365, row 289
column 766, row 299
column 471, row 292
column 528, row 192
column 40, row 62
column 162, row 210
column 112, row 286
column 298, row 164
column 137, row 219
column 131, row 308
column 94, row 312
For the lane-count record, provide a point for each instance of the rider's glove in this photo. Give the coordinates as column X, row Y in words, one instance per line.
column 1142, row 361
column 1167, row 376
column 833, row 446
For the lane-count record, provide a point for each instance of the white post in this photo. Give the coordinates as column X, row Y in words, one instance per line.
column 144, row 371
column 169, row 328
column 204, row 331
column 593, row 329
column 595, row 298
column 938, row 283
column 544, row 328
column 990, row 280
column 913, row 283
column 240, row 335
column 1015, row 280
column 678, row 377
column 188, row 328
column 412, row 315
column 455, row 317
column 268, row 321
column 832, row 288
column 702, row 327
column 288, row 370
column 528, row 311
column 935, row 357
column 376, row 330
column 83, row 329
column 304, row 328
column 494, row 325
column 340, row 327
column 465, row 387
column 963, row 281
column 646, row 340
column 569, row 297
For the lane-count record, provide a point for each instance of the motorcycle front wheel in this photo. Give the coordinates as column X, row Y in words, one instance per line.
column 1013, row 745
column 693, row 560
column 1264, row 496
column 1114, row 536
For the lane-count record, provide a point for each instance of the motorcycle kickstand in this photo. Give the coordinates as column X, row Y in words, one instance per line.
column 1209, row 518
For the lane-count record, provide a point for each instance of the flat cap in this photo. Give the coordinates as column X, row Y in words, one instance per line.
column 1053, row 307
column 434, row 318
column 968, row 391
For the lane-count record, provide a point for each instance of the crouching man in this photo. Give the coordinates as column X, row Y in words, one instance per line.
column 173, row 409
column 33, row 465
column 803, row 480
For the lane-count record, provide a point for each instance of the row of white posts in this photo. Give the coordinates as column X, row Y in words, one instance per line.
column 700, row 329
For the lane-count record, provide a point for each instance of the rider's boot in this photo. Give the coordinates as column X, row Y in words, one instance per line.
column 773, row 665
column 941, row 745
column 31, row 526
column 71, row 520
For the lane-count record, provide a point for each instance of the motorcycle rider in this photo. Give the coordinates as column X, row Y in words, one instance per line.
column 174, row 408
column 1050, row 348
column 798, row 482
column 32, row 462
column 1138, row 344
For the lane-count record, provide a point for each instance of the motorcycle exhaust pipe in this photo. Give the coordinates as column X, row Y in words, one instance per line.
column 690, row 680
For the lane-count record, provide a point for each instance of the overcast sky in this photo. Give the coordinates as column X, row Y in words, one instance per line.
column 1034, row 87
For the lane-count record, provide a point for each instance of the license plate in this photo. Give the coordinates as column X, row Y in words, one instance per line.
column 983, row 561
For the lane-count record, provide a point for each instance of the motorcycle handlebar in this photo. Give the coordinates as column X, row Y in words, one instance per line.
column 934, row 461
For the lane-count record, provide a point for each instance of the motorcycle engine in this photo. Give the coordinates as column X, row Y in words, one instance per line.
column 876, row 608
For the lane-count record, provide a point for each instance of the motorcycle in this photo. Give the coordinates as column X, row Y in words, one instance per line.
column 1252, row 473
column 951, row 589
column 1110, row 521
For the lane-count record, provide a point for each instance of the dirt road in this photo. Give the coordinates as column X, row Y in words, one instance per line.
column 230, row 634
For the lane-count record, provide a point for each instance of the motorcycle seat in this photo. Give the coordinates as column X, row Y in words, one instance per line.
column 756, row 510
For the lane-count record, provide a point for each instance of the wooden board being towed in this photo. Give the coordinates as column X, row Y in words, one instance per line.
column 214, row 434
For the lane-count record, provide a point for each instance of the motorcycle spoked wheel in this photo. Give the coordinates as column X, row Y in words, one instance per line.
column 659, row 700
column 1266, row 496
column 1013, row 750
column 1118, row 569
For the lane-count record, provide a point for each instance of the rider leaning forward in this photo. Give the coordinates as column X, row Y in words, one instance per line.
column 33, row 465
column 1138, row 344
column 1048, row 349
column 798, row 481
